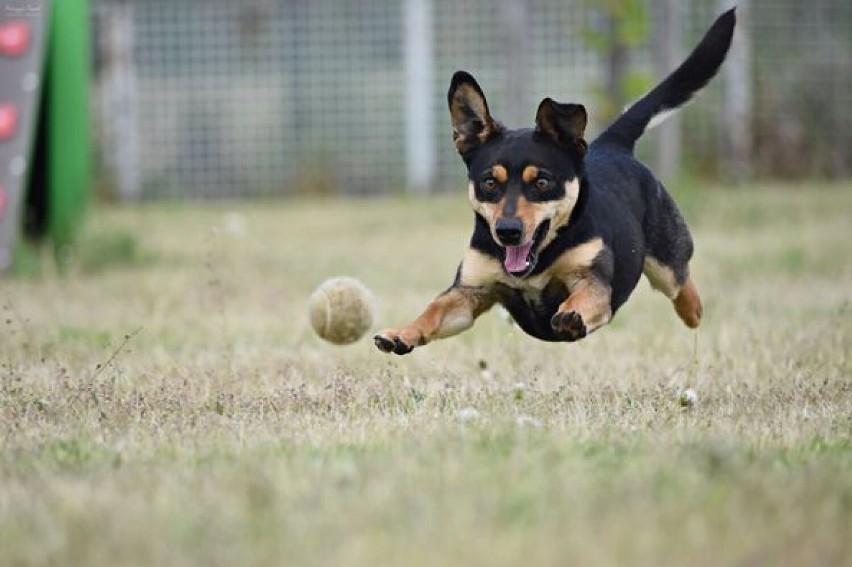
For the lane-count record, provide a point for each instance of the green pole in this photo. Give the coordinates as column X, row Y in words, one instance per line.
column 67, row 106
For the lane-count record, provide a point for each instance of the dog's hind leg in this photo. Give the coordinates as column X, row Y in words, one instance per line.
column 668, row 251
column 688, row 305
column 681, row 290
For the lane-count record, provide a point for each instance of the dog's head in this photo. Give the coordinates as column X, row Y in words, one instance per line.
column 524, row 182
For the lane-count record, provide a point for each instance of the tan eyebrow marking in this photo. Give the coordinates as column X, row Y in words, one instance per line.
column 500, row 173
column 530, row 174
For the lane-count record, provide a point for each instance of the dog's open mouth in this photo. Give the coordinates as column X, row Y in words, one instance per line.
column 520, row 260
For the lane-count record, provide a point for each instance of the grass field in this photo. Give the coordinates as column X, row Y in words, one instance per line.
column 165, row 403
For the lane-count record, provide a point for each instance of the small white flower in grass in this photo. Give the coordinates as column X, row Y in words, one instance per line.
column 688, row 398
column 486, row 373
column 468, row 414
column 524, row 421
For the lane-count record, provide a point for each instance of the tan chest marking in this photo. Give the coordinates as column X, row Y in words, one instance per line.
column 575, row 263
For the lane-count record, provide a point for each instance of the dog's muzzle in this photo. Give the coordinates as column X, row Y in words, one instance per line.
column 519, row 260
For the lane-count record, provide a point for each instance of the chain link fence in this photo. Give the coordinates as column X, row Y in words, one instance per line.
column 215, row 98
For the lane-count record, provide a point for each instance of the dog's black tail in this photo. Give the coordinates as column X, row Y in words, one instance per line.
column 677, row 89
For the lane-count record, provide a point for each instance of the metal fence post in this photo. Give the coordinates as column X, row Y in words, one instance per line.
column 518, row 74
column 117, row 99
column 668, row 55
column 419, row 137
column 736, row 134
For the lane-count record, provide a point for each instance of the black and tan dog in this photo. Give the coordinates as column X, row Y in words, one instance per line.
column 563, row 231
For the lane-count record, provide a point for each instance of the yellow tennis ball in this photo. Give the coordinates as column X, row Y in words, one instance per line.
column 341, row 310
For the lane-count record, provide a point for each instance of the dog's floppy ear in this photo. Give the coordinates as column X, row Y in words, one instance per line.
column 472, row 123
column 565, row 124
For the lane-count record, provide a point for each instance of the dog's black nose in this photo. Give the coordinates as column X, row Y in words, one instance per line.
column 509, row 230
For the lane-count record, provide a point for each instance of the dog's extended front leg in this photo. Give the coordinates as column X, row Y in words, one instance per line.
column 449, row 314
column 588, row 307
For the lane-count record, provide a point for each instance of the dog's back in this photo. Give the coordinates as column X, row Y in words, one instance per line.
column 655, row 238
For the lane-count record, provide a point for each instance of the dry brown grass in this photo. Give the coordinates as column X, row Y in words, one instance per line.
column 222, row 432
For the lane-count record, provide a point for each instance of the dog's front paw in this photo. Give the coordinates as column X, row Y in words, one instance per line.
column 569, row 324
column 396, row 341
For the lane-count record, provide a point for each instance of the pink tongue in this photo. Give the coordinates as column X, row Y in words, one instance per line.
column 516, row 257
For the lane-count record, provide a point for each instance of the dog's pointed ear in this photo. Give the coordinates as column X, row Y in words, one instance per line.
column 565, row 124
column 472, row 123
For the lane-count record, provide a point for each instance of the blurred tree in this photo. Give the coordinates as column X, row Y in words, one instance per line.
column 620, row 26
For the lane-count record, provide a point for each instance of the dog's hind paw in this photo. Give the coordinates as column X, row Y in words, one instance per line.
column 388, row 342
column 569, row 325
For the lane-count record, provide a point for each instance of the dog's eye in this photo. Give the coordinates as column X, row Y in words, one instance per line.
column 489, row 183
column 542, row 183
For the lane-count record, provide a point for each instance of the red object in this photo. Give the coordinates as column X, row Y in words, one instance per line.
column 14, row 38
column 8, row 121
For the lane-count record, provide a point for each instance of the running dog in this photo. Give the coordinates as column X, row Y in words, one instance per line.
column 563, row 230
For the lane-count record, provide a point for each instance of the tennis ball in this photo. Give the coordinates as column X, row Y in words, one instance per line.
column 341, row 310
